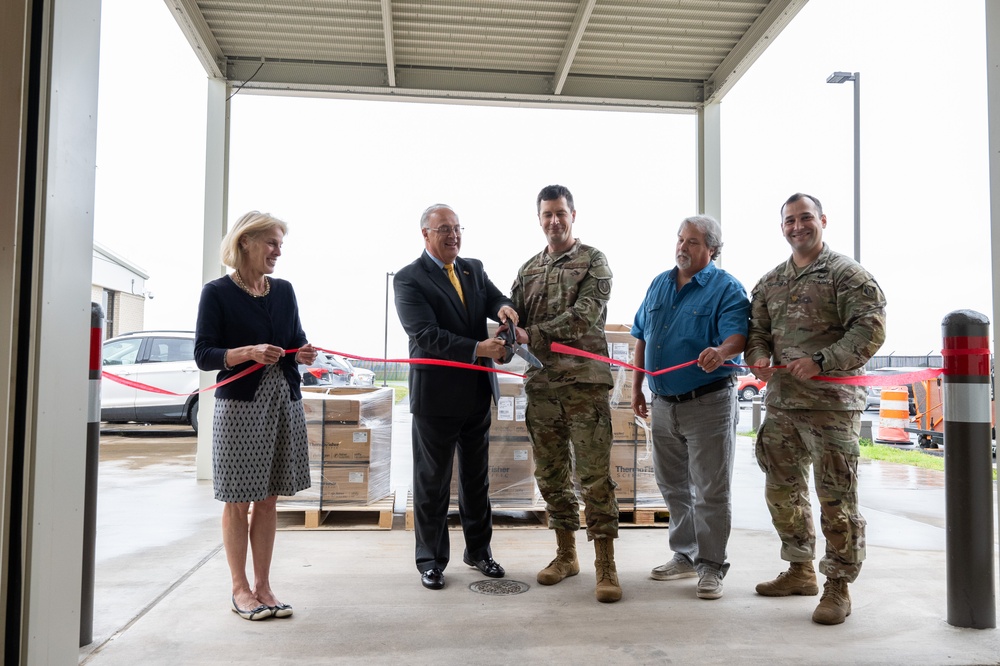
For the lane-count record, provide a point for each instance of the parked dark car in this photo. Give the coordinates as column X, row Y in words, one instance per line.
column 326, row 370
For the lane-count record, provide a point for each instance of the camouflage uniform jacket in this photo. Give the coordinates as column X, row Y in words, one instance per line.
column 564, row 298
column 832, row 306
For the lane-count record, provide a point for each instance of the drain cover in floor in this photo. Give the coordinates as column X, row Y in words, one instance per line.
column 499, row 588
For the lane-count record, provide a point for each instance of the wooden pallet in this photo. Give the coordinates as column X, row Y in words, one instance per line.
column 535, row 516
column 646, row 516
column 374, row 516
column 505, row 515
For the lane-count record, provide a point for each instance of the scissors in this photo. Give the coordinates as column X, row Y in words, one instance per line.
column 513, row 347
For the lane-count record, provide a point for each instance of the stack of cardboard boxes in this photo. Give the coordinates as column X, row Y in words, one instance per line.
column 512, row 480
column 631, row 453
column 350, row 444
column 511, row 465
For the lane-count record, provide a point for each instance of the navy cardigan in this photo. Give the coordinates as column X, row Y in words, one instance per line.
column 228, row 317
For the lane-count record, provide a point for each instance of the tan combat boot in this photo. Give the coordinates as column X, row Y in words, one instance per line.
column 608, row 589
column 565, row 563
column 799, row 579
column 835, row 605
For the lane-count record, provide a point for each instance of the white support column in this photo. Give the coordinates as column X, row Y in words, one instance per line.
column 993, row 115
column 56, row 410
column 216, row 212
column 710, row 162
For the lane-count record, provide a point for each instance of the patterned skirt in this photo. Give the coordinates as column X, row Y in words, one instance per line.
column 259, row 448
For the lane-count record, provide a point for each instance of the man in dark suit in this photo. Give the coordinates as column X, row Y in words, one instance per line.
column 443, row 303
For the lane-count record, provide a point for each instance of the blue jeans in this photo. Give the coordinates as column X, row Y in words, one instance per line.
column 694, row 445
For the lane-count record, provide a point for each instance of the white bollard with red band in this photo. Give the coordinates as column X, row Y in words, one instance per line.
column 90, row 485
column 968, row 470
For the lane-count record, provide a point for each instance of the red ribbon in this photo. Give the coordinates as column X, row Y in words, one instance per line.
column 258, row 366
column 423, row 361
column 560, row 348
column 154, row 389
column 857, row 380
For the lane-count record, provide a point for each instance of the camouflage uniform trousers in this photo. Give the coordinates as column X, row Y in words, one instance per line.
column 566, row 422
column 787, row 443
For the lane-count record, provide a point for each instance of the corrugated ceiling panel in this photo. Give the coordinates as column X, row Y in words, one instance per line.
column 506, row 35
column 662, row 38
column 340, row 31
column 661, row 50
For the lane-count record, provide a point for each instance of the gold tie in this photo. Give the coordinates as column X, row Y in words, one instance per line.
column 454, row 281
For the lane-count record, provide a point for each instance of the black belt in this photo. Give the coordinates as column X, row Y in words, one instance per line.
column 700, row 391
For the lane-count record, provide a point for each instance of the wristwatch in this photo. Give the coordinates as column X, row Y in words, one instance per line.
column 818, row 359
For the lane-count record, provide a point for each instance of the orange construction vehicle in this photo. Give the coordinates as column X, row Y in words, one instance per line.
column 928, row 422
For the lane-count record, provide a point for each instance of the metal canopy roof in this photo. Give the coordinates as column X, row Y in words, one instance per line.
column 658, row 54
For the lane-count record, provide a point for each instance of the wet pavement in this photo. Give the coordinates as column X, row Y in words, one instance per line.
column 162, row 584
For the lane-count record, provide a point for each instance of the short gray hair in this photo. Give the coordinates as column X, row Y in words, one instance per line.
column 425, row 216
column 712, row 230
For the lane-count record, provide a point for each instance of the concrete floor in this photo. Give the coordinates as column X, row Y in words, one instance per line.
column 162, row 584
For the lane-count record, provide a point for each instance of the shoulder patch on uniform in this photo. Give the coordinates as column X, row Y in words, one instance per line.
column 604, row 286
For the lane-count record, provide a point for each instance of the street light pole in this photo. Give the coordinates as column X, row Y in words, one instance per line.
column 385, row 348
column 842, row 77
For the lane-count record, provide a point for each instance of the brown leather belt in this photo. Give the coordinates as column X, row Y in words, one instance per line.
column 717, row 385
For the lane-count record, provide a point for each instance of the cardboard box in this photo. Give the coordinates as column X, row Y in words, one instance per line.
column 342, row 483
column 349, row 430
column 621, row 344
column 353, row 483
column 349, row 404
column 511, row 473
column 620, row 394
column 632, row 469
column 623, row 426
column 647, row 493
column 621, row 347
column 507, row 417
column 336, row 442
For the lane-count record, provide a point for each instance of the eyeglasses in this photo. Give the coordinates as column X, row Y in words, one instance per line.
column 447, row 231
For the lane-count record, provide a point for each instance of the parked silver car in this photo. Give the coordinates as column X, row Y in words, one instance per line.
column 872, row 400
column 160, row 359
column 875, row 392
column 359, row 376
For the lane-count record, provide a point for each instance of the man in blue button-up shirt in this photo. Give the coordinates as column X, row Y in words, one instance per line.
column 694, row 311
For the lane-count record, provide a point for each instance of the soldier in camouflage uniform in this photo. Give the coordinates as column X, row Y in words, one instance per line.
column 818, row 313
column 561, row 295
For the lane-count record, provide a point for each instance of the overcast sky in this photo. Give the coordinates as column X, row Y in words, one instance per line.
column 351, row 177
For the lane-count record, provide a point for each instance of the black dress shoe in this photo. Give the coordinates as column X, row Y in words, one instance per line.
column 488, row 567
column 432, row 579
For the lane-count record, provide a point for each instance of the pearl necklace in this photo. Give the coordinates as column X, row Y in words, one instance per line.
column 239, row 282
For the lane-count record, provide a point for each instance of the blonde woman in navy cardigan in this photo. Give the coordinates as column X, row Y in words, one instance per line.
column 259, row 448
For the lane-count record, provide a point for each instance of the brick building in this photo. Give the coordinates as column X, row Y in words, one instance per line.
column 120, row 287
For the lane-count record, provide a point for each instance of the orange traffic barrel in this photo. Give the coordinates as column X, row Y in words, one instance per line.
column 893, row 415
